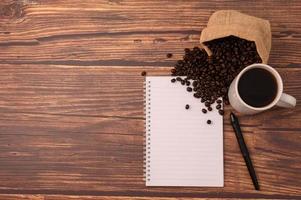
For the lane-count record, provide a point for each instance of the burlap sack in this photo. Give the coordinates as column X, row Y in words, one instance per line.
column 224, row 23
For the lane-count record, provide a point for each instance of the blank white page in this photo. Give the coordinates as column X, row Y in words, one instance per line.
column 181, row 148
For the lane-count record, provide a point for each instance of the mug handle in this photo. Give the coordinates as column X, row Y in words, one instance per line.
column 286, row 101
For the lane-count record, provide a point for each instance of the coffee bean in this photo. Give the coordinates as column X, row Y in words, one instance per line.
column 169, row 55
column 218, row 106
column 179, row 79
column 187, row 51
column 197, row 95
column 224, row 89
column 221, row 112
column 195, row 49
column 208, row 121
column 143, row 73
column 219, row 101
column 187, row 83
column 209, row 109
column 189, row 89
column 183, row 82
column 187, row 106
column 207, row 103
column 173, row 80
column 204, row 110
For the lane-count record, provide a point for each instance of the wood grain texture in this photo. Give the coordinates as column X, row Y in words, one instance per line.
column 70, row 197
column 133, row 33
column 71, row 98
column 79, row 130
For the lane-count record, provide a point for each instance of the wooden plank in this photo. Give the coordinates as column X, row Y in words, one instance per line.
column 21, row 197
column 69, row 197
column 79, row 131
column 132, row 33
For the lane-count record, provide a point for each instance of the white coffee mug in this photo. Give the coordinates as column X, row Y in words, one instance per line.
column 281, row 99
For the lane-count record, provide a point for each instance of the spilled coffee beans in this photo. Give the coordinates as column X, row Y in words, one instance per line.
column 211, row 77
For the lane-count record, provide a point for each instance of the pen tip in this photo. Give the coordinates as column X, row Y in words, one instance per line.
column 232, row 116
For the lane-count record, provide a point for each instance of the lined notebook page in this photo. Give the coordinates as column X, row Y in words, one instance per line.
column 181, row 148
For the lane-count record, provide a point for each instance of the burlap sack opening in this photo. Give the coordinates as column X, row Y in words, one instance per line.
column 224, row 23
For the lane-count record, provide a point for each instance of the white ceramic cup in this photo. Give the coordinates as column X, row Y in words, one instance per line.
column 281, row 99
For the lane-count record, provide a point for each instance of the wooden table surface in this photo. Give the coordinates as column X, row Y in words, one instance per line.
column 71, row 98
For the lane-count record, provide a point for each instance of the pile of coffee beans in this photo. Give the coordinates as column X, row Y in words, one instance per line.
column 209, row 77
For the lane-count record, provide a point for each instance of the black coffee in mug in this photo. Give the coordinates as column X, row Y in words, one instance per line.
column 257, row 87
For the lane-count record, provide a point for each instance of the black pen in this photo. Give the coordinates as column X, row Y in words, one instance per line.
column 244, row 149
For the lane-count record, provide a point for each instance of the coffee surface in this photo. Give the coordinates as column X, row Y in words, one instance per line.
column 257, row 87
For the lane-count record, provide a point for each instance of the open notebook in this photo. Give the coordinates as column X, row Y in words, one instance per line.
column 181, row 148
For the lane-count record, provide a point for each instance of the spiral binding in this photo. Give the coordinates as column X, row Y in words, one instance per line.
column 147, row 124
